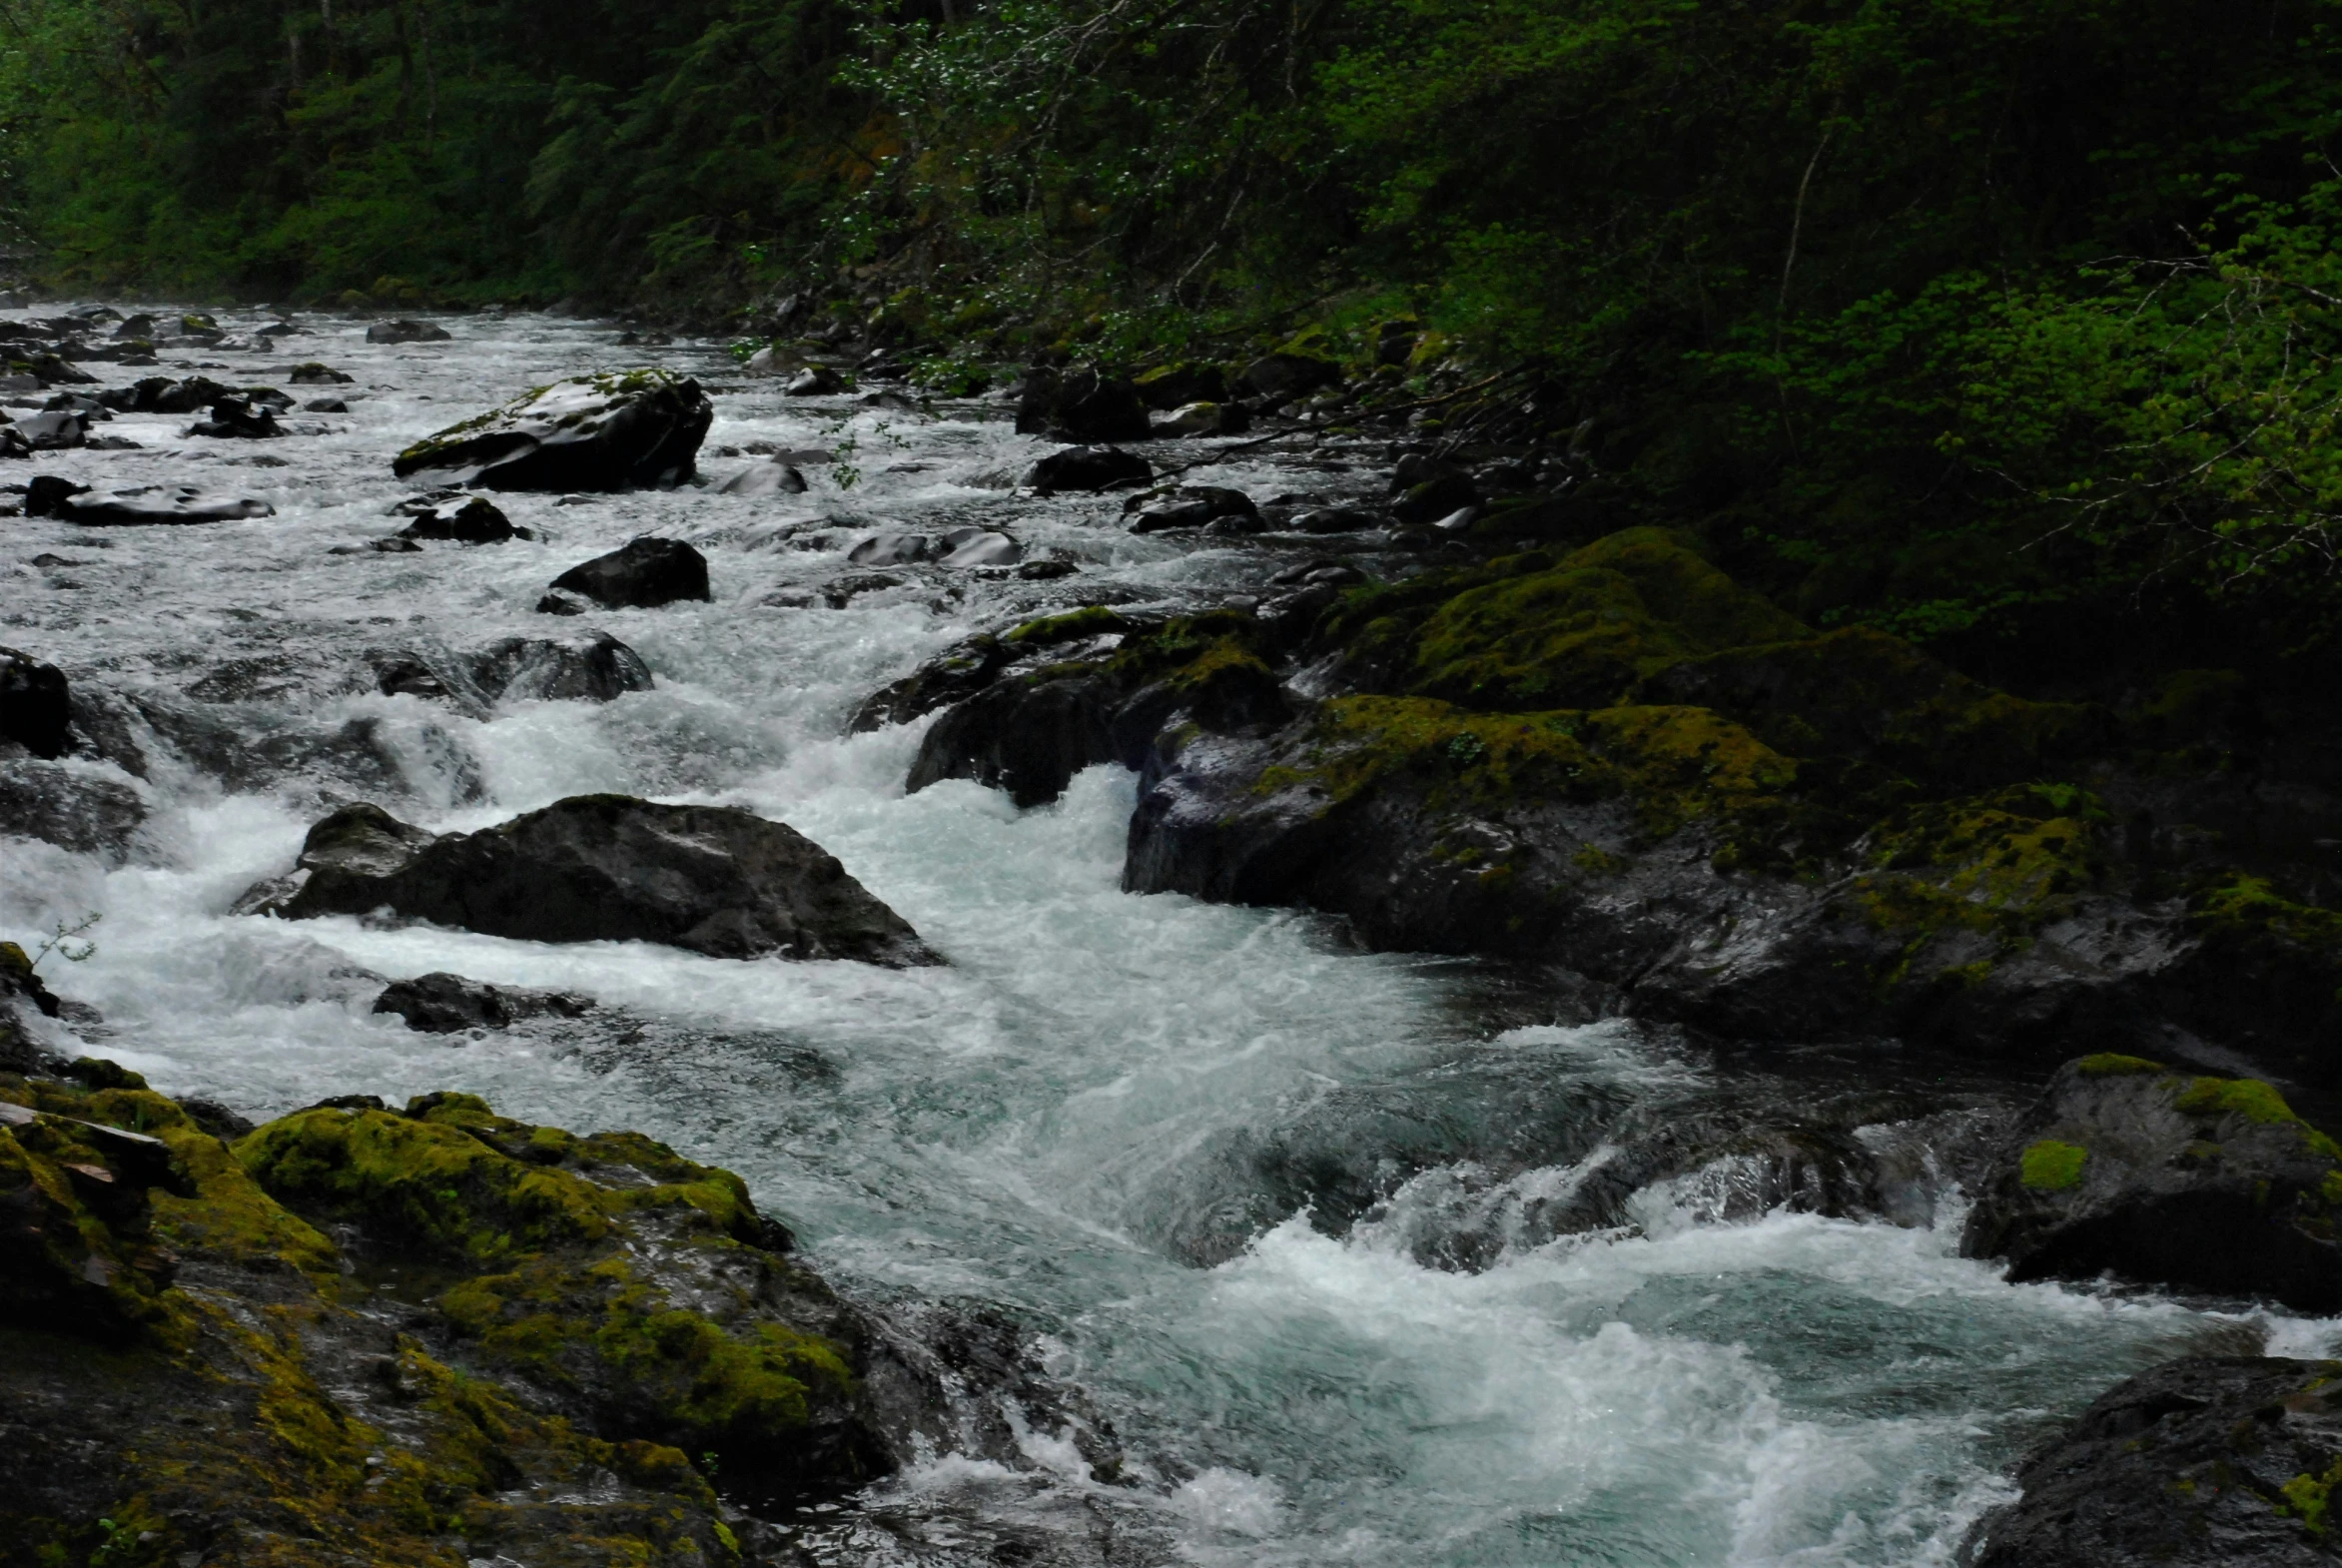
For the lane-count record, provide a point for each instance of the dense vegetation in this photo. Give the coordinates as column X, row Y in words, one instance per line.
column 2000, row 322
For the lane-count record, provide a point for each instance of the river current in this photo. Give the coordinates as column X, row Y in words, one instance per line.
column 1107, row 1119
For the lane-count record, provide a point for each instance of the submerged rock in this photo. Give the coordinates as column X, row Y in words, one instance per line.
column 643, row 575
column 1087, row 468
column 2210, row 1462
column 771, row 477
column 75, row 805
column 143, row 506
column 1193, row 507
column 239, row 419
column 408, row 332
column 601, row 868
column 445, row 1003
column 590, row 432
column 595, row 668
column 2168, row 1179
column 466, row 520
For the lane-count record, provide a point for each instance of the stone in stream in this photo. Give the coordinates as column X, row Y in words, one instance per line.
column 1181, row 386
column 50, row 495
column 610, row 431
column 642, row 574
column 406, row 332
column 466, row 520
column 36, row 706
column 764, row 478
column 971, row 547
column 1281, row 378
column 1080, row 404
column 600, row 868
column 1206, row 419
column 597, row 668
column 314, row 374
column 2168, row 1179
column 239, row 419
column 137, row 328
column 2207, row 1462
column 815, row 381
column 53, row 432
column 890, row 549
column 161, row 394
column 443, row 1004
column 1087, row 468
column 1192, row 507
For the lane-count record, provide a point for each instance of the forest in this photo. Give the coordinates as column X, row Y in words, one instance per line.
column 1998, row 324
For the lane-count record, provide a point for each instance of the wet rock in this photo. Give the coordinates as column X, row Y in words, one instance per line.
column 75, row 805
column 52, row 496
column 36, row 705
column 2210, row 1462
column 969, row 548
column 815, row 381
column 1087, row 468
column 643, row 575
column 555, row 603
column 140, row 326
column 2185, row 1182
column 1026, row 739
column 466, row 520
column 326, row 405
column 1206, row 419
column 406, row 332
column 590, row 432
column 1281, row 378
column 891, row 549
column 445, row 1003
column 314, row 374
column 595, row 670
column 239, row 419
column 764, row 478
column 53, row 371
column 53, row 432
column 772, row 359
column 1181, row 386
column 1192, row 507
column 602, row 868
column 163, row 394
column 1080, row 404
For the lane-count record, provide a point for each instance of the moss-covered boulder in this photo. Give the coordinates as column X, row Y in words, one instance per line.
column 330, row 1343
column 2169, row 1178
column 609, row 432
column 2208, row 1462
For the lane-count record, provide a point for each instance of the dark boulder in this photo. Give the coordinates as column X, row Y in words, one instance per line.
column 594, row 669
column 136, row 328
column 241, row 419
column 466, row 520
column 161, row 394
column 1281, row 378
column 2192, row 1182
column 591, row 432
column 1179, row 385
column 764, row 478
column 52, row 496
column 445, row 1003
column 1028, row 739
column 54, row 370
column 315, row 375
column 816, row 381
column 2210, row 1462
column 1087, row 468
column 1082, row 405
column 36, row 708
column 406, row 332
column 325, row 406
column 70, row 804
column 1206, row 419
column 601, row 868
column 643, row 575
column 1192, row 507
column 53, row 432
column 891, row 549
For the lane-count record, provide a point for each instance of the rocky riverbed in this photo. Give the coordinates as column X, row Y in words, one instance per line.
column 701, row 961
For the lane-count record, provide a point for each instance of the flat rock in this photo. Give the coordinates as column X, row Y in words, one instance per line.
column 601, row 868
column 643, row 575
column 445, row 1003
column 591, row 432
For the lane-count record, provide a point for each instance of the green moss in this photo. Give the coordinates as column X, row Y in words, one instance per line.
column 2246, row 905
column 2309, row 1497
column 2107, row 1064
column 1094, row 620
column 2245, row 1097
column 2051, row 1166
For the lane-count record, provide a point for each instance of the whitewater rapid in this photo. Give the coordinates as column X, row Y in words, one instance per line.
column 1068, row 1125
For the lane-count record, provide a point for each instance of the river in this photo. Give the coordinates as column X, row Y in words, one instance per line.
column 1110, row 1120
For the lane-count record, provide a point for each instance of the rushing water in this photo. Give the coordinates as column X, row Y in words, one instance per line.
column 1101, row 1119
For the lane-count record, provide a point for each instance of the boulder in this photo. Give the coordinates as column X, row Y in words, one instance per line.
column 764, row 478
column 53, row 432
column 36, row 708
column 314, row 374
column 1087, row 468
column 772, row 359
column 406, row 332
column 1080, row 404
column 239, row 419
column 445, row 1003
column 1281, row 378
column 161, row 394
column 816, row 381
column 590, row 432
column 325, row 406
column 53, row 371
column 2169, row 1178
column 74, row 804
column 891, row 549
column 52, row 496
column 966, row 547
column 1192, row 507
column 466, row 520
column 595, row 668
column 1182, row 385
column 135, row 328
column 601, row 868
column 1206, row 419
column 2208, row 1462
column 643, row 575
